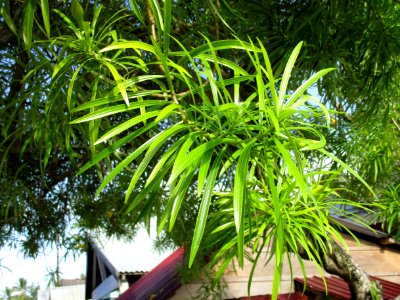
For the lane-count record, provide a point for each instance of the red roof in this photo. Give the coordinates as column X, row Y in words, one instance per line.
column 291, row 296
column 161, row 281
column 339, row 289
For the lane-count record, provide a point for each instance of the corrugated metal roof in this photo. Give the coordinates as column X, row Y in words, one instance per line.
column 339, row 289
column 287, row 296
column 130, row 257
column 160, row 282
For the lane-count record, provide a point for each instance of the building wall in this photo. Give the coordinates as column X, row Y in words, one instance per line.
column 72, row 292
column 374, row 259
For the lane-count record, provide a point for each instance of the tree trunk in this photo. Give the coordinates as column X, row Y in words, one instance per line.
column 338, row 262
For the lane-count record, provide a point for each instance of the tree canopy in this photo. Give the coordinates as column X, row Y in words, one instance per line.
column 229, row 121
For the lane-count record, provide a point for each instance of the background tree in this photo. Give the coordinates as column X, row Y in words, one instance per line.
column 41, row 150
column 21, row 291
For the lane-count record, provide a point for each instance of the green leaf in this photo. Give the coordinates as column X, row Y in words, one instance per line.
column 130, row 45
column 203, row 171
column 136, row 10
column 125, row 125
column 239, row 196
column 117, row 98
column 195, row 155
column 183, row 152
column 107, row 111
column 164, row 158
column 216, row 45
column 156, row 12
column 71, row 86
column 77, row 12
column 123, row 164
column 310, row 81
column 111, row 149
column 46, row 15
column 167, row 24
column 156, row 143
column 167, row 111
column 270, row 74
column 5, row 13
column 153, row 185
column 29, row 13
column 66, row 60
column 49, row 144
column 293, row 169
column 119, row 80
column 286, row 75
column 215, row 11
column 349, row 169
column 179, row 193
column 69, row 22
column 204, row 207
column 226, row 63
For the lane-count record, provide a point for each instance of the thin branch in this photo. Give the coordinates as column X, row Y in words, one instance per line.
column 151, row 20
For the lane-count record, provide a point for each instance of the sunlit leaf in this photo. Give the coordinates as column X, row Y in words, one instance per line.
column 204, row 207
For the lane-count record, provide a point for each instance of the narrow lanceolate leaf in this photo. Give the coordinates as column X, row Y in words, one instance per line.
column 215, row 11
column 278, row 245
column 107, row 111
column 277, row 280
column 160, row 164
column 5, row 13
column 203, row 171
column 116, row 98
column 130, row 45
column 151, row 187
column 167, row 24
column 126, row 125
column 293, row 169
column 195, row 155
column 168, row 110
column 179, row 193
column 47, row 152
column 286, row 75
column 239, row 196
column 300, row 90
column 29, row 12
column 156, row 11
column 136, row 10
column 269, row 73
column 155, row 145
column 110, row 149
column 71, row 87
column 183, row 152
column 216, row 45
column 204, row 207
column 123, row 164
column 62, row 63
column 349, row 169
column 46, row 15
column 119, row 81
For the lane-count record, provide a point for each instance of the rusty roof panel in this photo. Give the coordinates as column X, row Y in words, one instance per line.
column 339, row 289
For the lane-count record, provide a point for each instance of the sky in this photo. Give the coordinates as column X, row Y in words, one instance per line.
column 13, row 265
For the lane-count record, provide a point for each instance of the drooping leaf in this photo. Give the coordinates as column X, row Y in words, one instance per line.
column 5, row 13
column 46, row 15
column 204, row 207
column 29, row 12
column 239, row 196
